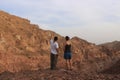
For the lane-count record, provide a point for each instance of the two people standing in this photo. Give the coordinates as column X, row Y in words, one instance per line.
column 54, row 53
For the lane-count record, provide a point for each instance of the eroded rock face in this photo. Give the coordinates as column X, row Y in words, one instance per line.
column 112, row 48
column 24, row 46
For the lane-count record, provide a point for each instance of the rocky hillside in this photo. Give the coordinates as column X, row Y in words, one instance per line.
column 24, row 47
column 112, row 73
column 113, row 47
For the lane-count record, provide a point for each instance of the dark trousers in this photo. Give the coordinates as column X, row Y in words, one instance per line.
column 53, row 60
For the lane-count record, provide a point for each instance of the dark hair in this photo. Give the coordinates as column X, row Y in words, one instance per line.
column 55, row 38
column 67, row 38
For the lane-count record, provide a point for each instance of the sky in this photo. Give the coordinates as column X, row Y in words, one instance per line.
column 97, row 21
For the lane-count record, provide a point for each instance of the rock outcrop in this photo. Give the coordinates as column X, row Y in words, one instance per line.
column 25, row 47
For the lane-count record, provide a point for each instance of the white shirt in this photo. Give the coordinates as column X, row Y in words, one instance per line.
column 54, row 46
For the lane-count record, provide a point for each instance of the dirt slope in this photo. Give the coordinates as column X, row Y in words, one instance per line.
column 25, row 51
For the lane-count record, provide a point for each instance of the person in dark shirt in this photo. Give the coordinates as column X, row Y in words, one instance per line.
column 68, row 53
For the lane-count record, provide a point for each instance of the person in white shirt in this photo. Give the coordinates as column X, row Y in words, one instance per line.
column 54, row 53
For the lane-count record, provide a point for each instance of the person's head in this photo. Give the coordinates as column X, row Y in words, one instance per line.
column 55, row 38
column 67, row 38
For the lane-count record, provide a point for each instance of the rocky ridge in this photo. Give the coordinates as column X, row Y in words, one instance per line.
column 24, row 49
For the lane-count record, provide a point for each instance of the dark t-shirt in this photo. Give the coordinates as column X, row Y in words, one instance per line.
column 67, row 48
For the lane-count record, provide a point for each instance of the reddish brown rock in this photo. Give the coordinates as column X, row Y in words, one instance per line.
column 24, row 47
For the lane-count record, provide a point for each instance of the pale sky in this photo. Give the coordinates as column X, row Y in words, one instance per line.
column 97, row 21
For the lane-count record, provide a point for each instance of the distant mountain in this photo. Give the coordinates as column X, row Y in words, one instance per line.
column 25, row 46
column 113, row 47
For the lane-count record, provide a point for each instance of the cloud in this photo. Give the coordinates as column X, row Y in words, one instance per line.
column 89, row 19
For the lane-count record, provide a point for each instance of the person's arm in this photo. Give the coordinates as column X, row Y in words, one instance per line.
column 57, row 47
column 64, row 46
column 57, row 50
column 72, row 50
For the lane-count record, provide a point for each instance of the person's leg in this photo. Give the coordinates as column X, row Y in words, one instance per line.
column 66, row 63
column 70, row 64
column 55, row 60
column 52, row 61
